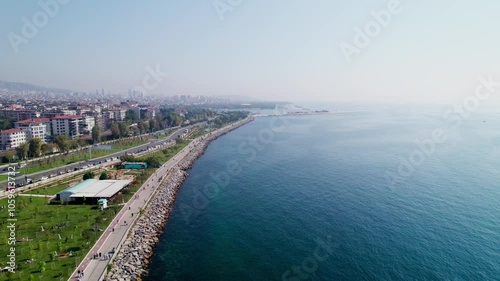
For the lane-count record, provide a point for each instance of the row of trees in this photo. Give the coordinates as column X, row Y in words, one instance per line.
column 229, row 117
column 34, row 148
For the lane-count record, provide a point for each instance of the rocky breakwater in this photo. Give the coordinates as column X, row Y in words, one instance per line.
column 132, row 260
column 202, row 142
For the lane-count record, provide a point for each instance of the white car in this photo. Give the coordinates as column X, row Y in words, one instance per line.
column 44, row 178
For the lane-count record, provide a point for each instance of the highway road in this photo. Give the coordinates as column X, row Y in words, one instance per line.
column 55, row 171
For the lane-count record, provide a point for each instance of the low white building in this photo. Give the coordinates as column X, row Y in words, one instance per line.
column 91, row 190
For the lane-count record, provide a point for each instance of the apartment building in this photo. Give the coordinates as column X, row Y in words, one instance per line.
column 12, row 138
column 18, row 115
column 87, row 124
column 69, row 125
column 36, row 128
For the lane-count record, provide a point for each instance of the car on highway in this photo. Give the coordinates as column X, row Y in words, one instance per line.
column 19, row 184
column 44, row 178
column 52, row 175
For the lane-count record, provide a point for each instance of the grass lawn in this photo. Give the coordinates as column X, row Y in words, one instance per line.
column 72, row 222
column 49, row 190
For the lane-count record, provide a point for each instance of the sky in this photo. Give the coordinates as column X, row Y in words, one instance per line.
column 427, row 51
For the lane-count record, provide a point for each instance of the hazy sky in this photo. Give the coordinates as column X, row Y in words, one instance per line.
column 281, row 49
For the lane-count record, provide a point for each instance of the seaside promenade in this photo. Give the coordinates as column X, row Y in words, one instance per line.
column 94, row 266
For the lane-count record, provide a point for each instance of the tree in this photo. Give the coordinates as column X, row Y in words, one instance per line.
column 52, row 256
column 45, row 148
column 73, row 144
column 131, row 116
column 153, row 125
column 127, row 158
column 145, row 126
column 174, row 119
column 41, row 267
column 35, row 147
column 22, row 151
column 61, row 141
column 88, row 175
column 7, row 123
column 115, row 131
column 103, row 176
column 124, row 129
column 96, row 134
column 8, row 156
column 155, row 160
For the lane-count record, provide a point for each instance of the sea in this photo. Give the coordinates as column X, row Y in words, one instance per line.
column 358, row 194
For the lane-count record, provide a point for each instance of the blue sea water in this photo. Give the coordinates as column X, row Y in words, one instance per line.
column 257, row 212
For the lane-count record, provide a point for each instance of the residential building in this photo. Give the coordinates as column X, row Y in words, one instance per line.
column 68, row 125
column 88, row 122
column 12, row 138
column 36, row 128
column 18, row 115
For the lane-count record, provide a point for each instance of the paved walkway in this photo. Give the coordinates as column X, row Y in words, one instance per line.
column 117, row 231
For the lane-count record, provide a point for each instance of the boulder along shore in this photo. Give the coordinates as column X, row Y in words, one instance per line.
column 132, row 260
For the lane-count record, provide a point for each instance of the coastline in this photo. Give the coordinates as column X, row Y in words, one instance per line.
column 132, row 259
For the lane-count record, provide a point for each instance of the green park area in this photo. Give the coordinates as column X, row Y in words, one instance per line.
column 53, row 238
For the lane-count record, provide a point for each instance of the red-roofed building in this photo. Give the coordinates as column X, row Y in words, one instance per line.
column 12, row 138
column 36, row 128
